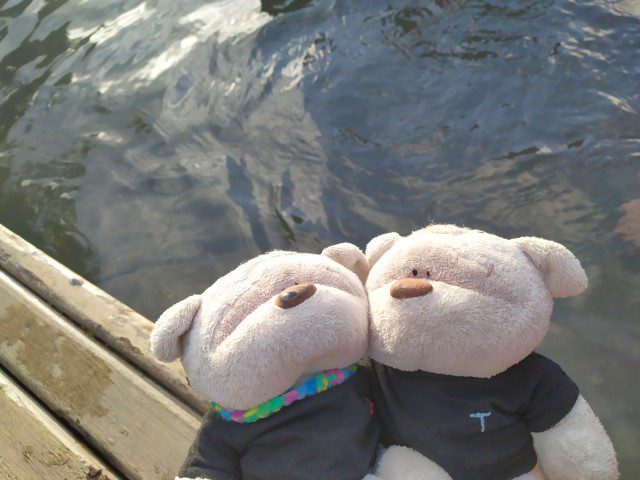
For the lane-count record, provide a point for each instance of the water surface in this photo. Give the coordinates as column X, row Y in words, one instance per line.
column 153, row 145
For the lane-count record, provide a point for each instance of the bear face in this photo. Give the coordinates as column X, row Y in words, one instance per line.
column 463, row 302
column 273, row 320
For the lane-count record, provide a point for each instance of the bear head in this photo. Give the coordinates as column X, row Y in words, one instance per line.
column 275, row 319
column 463, row 302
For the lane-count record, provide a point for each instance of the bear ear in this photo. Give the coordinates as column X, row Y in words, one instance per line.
column 349, row 256
column 560, row 269
column 377, row 246
column 172, row 324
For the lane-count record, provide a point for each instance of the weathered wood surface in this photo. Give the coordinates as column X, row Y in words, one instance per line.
column 33, row 445
column 120, row 327
column 138, row 426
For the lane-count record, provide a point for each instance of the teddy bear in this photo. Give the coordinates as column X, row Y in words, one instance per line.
column 455, row 317
column 275, row 346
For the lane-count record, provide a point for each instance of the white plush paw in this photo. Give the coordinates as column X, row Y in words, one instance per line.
column 402, row 463
column 534, row 474
column 577, row 448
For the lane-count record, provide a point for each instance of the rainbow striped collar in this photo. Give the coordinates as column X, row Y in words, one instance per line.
column 319, row 383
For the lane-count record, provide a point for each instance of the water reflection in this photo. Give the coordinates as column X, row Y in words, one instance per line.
column 276, row 7
column 629, row 225
column 152, row 145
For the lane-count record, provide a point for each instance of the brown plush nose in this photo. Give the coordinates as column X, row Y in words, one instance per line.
column 295, row 295
column 410, row 288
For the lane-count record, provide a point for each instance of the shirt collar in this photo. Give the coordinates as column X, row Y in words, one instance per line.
column 319, row 383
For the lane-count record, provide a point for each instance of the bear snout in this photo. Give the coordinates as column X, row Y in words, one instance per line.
column 295, row 295
column 410, row 288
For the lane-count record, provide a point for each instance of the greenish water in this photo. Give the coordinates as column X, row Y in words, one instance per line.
column 153, row 145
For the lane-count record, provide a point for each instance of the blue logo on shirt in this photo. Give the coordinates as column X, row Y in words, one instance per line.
column 481, row 416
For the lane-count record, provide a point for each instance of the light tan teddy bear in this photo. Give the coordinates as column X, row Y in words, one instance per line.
column 455, row 317
column 274, row 345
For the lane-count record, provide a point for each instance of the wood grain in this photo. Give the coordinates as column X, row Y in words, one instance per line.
column 117, row 325
column 135, row 424
column 33, row 445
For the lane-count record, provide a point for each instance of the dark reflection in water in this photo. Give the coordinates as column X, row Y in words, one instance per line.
column 153, row 145
column 276, row 7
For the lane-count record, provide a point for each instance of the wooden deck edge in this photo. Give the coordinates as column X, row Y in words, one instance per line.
column 137, row 425
column 35, row 445
column 117, row 325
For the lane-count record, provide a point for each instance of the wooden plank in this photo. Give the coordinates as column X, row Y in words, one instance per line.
column 120, row 327
column 139, row 427
column 33, row 445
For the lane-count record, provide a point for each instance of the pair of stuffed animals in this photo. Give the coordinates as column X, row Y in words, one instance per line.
column 449, row 317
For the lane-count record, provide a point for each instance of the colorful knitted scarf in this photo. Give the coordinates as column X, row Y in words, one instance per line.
column 319, row 383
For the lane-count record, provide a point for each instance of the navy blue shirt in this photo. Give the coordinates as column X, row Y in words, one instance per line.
column 330, row 436
column 474, row 428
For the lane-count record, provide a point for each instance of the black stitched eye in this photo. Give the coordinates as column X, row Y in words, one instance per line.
column 415, row 272
column 428, row 274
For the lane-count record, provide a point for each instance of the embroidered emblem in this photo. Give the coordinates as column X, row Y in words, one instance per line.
column 371, row 406
column 481, row 416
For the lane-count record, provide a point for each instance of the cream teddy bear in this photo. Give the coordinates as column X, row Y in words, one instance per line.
column 274, row 345
column 455, row 317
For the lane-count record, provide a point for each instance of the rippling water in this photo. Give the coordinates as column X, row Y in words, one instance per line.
column 153, row 145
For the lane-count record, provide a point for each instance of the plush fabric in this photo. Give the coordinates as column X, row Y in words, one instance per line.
column 488, row 310
column 535, row 474
column 240, row 349
column 487, row 307
column 577, row 447
column 380, row 244
column 172, row 324
column 561, row 271
column 403, row 463
column 349, row 256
